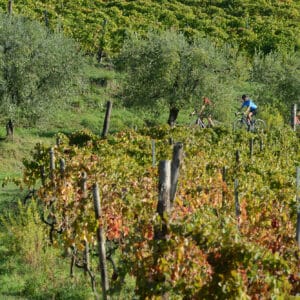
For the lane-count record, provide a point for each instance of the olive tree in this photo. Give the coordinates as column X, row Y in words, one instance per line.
column 276, row 78
column 38, row 69
column 165, row 70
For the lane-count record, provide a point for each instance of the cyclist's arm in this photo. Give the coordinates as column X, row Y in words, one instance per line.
column 247, row 110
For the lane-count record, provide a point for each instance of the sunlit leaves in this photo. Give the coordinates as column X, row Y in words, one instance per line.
column 208, row 251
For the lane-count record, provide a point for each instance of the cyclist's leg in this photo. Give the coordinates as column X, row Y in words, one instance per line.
column 201, row 123
column 210, row 121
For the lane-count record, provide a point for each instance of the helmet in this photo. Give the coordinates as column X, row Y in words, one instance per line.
column 244, row 96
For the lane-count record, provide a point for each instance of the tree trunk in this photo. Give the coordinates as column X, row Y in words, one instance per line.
column 9, row 7
column 10, row 128
column 173, row 114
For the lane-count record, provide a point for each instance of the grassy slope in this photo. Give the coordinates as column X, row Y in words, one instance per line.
column 16, row 273
column 21, row 268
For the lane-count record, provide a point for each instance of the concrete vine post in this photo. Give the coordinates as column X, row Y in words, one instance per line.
column 153, row 153
column 107, row 119
column 163, row 205
column 83, row 185
column 293, row 116
column 62, row 167
column 164, row 190
column 101, row 242
column 52, row 163
column 175, row 164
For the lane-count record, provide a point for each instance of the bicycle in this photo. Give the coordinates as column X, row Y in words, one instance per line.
column 203, row 123
column 256, row 125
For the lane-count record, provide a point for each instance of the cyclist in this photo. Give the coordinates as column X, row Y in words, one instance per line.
column 205, row 111
column 251, row 108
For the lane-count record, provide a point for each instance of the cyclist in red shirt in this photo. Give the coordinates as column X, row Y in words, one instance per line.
column 205, row 111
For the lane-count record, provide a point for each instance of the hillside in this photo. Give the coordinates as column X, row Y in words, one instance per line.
column 230, row 233
column 266, row 25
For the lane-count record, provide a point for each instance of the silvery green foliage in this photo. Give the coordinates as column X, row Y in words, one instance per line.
column 276, row 77
column 38, row 69
column 164, row 70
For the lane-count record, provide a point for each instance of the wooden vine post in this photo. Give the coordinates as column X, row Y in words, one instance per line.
column 175, row 164
column 107, row 119
column 261, row 145
column 236, row 200
column 224, row 171
column 298, row 206
column 101, row 242
column 101, row 43
column 251, row 144
column 86, row 253
column 43, row 175
column 237, row 156
column 46, row 17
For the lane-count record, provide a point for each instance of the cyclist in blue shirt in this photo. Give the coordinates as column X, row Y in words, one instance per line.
column 251, row 108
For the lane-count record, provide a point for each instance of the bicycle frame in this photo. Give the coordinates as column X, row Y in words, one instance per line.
column 256, row 125
column 200, row 122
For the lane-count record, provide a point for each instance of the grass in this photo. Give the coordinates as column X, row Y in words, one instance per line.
column 29, row 267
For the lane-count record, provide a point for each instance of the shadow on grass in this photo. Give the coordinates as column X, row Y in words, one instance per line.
column 53, row 133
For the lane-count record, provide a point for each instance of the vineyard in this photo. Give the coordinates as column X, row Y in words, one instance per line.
column 104, row 25
column 229, row 232
column 147, row 211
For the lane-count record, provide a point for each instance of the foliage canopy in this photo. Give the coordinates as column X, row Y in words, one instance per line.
column 165, row 71
column 38, row 69
column 265, row 25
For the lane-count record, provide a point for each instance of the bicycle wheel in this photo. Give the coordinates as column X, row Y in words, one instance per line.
column 240, row 125
column 259, row 126
column 200, row 123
